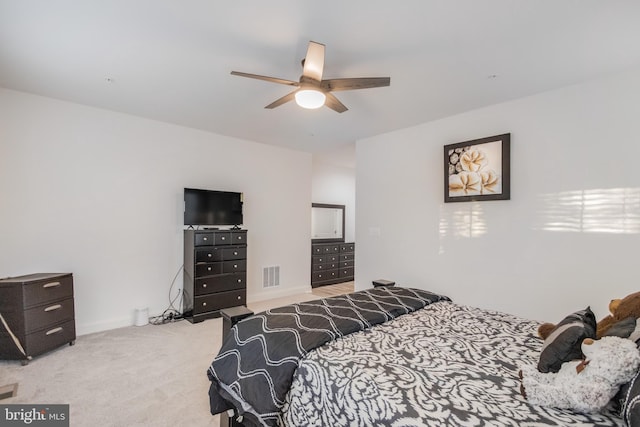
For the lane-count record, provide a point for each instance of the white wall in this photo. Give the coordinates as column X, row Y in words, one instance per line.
column 336, row 185
column 99, row 194
column 570, row 235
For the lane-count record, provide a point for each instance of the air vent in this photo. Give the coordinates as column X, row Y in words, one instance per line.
column 271, row 276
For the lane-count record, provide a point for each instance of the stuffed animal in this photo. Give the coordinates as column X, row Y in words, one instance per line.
column 620, row 309
column 584, row 385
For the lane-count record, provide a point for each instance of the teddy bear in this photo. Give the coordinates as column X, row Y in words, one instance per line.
column 584, row 385
column 621, row 309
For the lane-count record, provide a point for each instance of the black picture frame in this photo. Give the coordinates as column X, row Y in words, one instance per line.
column 477, row 170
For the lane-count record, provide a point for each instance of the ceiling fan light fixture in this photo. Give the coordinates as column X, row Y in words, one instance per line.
column 310, row 98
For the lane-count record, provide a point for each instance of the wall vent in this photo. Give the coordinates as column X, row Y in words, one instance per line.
column 271, row 276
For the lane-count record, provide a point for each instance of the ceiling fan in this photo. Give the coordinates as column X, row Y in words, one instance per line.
column 312, row 91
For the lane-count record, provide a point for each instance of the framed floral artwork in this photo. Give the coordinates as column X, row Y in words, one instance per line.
column 478, row 169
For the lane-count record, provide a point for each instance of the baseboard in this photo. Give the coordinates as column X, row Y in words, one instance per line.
column 90, row 328
column 277, row 293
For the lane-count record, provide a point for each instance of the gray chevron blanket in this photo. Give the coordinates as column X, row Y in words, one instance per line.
column 255, row 366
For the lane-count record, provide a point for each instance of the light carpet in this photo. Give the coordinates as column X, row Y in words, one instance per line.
column 134, row 376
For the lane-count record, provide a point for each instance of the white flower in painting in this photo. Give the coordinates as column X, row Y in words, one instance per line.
column 473, row 160
column 465, row 184
column 491, row 182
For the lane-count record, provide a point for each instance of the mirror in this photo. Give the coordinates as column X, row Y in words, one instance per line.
column 327, row 223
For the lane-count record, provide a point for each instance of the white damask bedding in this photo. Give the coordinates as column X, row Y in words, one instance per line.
column 444, row 365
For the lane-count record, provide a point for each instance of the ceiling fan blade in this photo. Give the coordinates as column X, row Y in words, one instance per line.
column 278, row 102
column 265, row 78
column 314, row 61
column 335, row 104
column 355, row 83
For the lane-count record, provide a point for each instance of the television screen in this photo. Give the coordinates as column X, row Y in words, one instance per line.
column 205, row 207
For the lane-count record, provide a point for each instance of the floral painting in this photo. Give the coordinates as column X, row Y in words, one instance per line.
column 477, row 169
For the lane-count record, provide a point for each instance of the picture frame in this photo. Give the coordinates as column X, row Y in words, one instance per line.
column 478, row 169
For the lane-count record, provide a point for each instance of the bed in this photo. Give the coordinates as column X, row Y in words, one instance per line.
column 388, row 356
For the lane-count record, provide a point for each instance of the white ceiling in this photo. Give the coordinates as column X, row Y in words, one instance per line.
column 170, row 60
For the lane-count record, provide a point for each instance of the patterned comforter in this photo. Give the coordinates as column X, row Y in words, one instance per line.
column 256, row 364
column 444, row 365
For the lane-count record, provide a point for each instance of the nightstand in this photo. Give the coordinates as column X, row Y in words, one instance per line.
column 37, row 315
column 382, row 282
column 231, row 316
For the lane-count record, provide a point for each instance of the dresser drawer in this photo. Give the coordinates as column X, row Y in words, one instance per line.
column 48, row 314
column 324, row 266
column 221, row 282
column 50, row 338
column 346, row 272
column 222, row 238
column 325, row 249
column 331, row 249
column 348, row 247
column 318, row 259
column 208, row 269
column 325, row 259
column 236, row 252
column 234, row 266
column 319, row 276
column 346, row 257
column 211, row 302
column 239, row 237
column 47, row 290
column 203, row 239
column 349, row 263
column 208, row 254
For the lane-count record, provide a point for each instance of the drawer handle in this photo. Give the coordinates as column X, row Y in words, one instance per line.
column 239, row 280
column 53, row 307
column 319, row 275
column 208, row 268
column 209, row 255
column 205, row 239
column 235, row 265
column 204, row 285
column 223, row 238
column 204, row 304
column 235, row 253
column 239, row 297
column 239, row 237
column 51, row 285
column 54, row 331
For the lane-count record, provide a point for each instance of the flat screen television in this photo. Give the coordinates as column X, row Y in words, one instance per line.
column 206, row 207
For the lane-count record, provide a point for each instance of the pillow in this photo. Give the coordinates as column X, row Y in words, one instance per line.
column 635, row 335
column 623, row 329
column 628, row 400
column 564, row 341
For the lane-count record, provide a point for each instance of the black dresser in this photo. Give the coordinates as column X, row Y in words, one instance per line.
column 37, row 315
column 332, row 263
column 215, row 272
